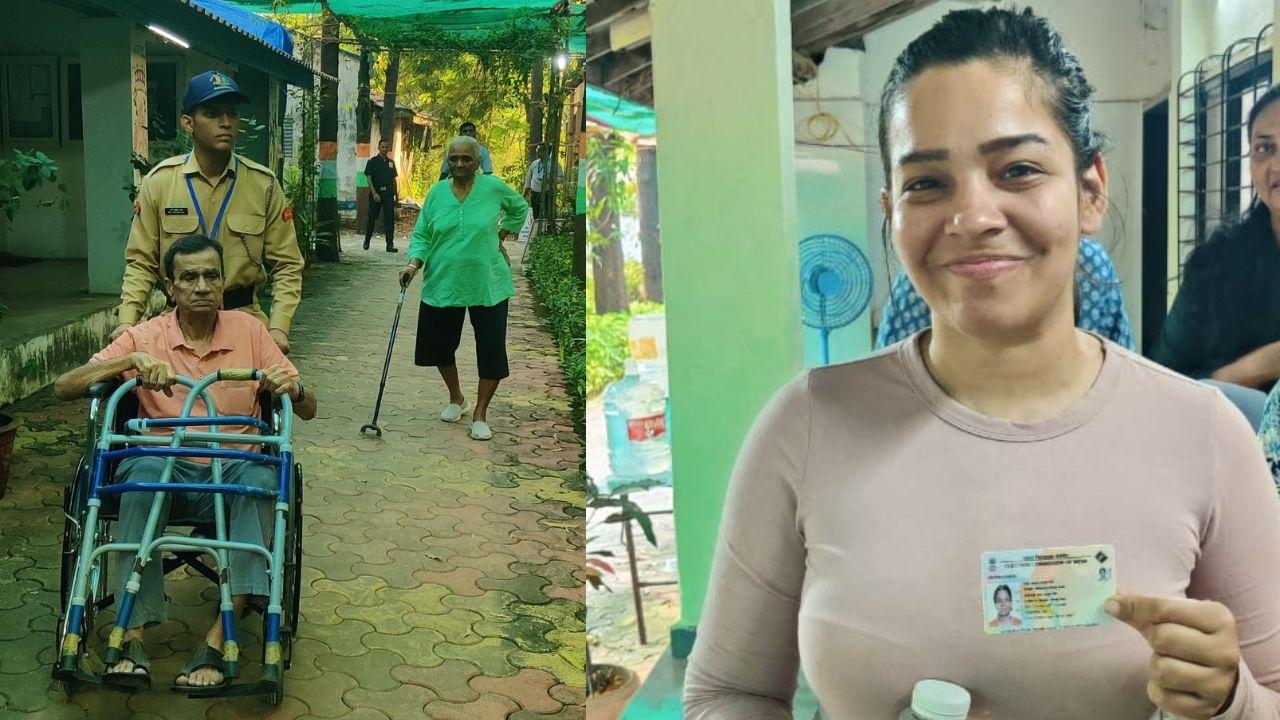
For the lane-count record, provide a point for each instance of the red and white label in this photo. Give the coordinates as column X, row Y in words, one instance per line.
column 647, row 428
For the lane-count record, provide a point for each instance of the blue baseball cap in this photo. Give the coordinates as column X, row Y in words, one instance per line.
column 210, row 85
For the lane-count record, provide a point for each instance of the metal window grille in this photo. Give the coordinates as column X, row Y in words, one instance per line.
column 1214, row 101
column 288, row 137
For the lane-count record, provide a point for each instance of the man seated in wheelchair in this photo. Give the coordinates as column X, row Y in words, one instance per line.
column 197, row 339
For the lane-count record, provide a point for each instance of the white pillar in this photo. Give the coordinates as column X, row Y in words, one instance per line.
column 113, row 71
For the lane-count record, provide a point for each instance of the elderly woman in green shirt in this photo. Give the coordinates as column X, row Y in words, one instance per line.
column 457, row 244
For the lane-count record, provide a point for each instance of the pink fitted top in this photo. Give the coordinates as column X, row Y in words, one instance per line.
column 865, row 496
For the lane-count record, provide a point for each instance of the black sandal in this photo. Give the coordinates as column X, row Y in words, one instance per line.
column 131, row 680
column 204, row 657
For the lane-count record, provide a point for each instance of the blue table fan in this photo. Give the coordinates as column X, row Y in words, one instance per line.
column 835, row 285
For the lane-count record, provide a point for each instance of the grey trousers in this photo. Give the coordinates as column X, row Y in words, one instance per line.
column 249, row 520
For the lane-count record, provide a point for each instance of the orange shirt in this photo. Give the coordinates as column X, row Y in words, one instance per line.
column 239, row 340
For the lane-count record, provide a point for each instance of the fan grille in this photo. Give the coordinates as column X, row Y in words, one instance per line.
column 835, row 281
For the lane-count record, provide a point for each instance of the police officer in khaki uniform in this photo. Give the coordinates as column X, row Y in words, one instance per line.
column 214, row 192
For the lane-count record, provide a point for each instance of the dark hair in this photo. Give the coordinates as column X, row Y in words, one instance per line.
column 998, row 34
column 188, row 245
column 996, row 594
column 465, row 125
column 1271, row 95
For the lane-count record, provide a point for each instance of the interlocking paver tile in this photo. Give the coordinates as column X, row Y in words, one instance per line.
column 402, row 701
column 457, row 626
column 322, row 695
column 241, row 708
column 486, row 706
column 449, row 680
column 347, row 638
column 373, row 672
column 491, row 654
column 528, row 687
column 360, row 590
column 388, row 618
column 418, row 647
column 526, row 587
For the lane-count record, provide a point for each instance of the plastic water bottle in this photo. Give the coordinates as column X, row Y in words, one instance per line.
column 635, row 412
column 937, row 700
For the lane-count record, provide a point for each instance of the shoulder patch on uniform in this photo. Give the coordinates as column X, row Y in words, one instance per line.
column 287, row 213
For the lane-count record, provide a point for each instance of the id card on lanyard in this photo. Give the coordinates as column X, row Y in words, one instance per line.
column 217, row 223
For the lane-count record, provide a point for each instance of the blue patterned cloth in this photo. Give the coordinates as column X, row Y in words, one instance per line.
column 1269, row 433
column 1101, row 304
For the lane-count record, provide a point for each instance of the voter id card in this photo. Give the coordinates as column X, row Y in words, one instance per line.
column 1047, row 588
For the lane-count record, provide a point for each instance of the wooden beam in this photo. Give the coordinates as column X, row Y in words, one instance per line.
column 622, row 65
column 598, row 45
column 799, row 8
column 602, row 12
column 850, row 24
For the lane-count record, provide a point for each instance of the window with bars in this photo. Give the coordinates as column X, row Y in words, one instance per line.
column 1214, row 100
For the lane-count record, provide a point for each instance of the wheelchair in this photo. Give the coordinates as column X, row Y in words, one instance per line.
column 91, row 504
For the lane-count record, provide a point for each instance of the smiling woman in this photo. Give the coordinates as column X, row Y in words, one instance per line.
column 1002, row 432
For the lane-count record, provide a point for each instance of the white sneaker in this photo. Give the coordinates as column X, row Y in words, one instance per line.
column 480, row 430
column 453, row 411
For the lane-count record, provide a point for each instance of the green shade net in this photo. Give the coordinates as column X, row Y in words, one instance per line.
column 422, row 23
column 607, row 109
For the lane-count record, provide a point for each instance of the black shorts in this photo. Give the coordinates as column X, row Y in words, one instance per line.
column 440, row 332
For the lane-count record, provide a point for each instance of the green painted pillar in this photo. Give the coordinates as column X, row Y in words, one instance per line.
column 111, row 50
column 726, row 185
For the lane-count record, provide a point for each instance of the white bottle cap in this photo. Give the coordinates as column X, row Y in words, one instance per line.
column 939, row 700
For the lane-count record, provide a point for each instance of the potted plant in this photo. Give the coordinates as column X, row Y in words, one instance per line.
column 8, row 431
column 611, row 687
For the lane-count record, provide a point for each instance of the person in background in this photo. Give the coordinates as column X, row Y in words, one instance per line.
column 536, row 182
column 457, row 244
column 486, row 162
column 1003, row 427
column 381, row 171
column 1224, row 326
column 224, row 196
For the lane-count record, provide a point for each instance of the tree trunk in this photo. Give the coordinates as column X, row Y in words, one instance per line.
column 364, row 129
column 533, row 109
column 606, row 256
column 389, row 99
column 650, row 242
column 328, row 237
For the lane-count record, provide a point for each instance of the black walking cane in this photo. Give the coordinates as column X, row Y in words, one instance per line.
column 373, row 425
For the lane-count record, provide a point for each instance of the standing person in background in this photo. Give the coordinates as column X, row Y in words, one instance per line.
column 486, row 162
column 457, row 244
column 381, row 171
column 225, row 197
column 536, row 182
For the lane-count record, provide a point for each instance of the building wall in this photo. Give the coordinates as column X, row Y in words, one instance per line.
column 42, row 229
column 1124, row 47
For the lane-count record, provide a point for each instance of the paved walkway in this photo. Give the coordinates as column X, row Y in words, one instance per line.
column 442, row 576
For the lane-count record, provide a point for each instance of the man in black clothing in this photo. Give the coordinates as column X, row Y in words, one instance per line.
column 381, row 171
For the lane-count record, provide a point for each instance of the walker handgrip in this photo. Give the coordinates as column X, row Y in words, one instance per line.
column 239, row 374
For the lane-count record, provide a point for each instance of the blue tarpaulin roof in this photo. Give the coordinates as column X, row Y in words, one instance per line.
column 268, row 31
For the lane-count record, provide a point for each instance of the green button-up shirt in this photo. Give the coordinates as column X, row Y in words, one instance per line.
column 457, row 243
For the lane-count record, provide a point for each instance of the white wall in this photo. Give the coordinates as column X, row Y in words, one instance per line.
column 1123, row 46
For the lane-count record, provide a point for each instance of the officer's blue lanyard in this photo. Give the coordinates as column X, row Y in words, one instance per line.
column 200, row 215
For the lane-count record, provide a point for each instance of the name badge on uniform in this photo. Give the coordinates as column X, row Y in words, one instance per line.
column 1047, row 588
column 177, row 211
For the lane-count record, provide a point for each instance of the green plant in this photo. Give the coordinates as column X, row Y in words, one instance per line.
column 550, row 272
column 608, row 346
column 24, row 173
